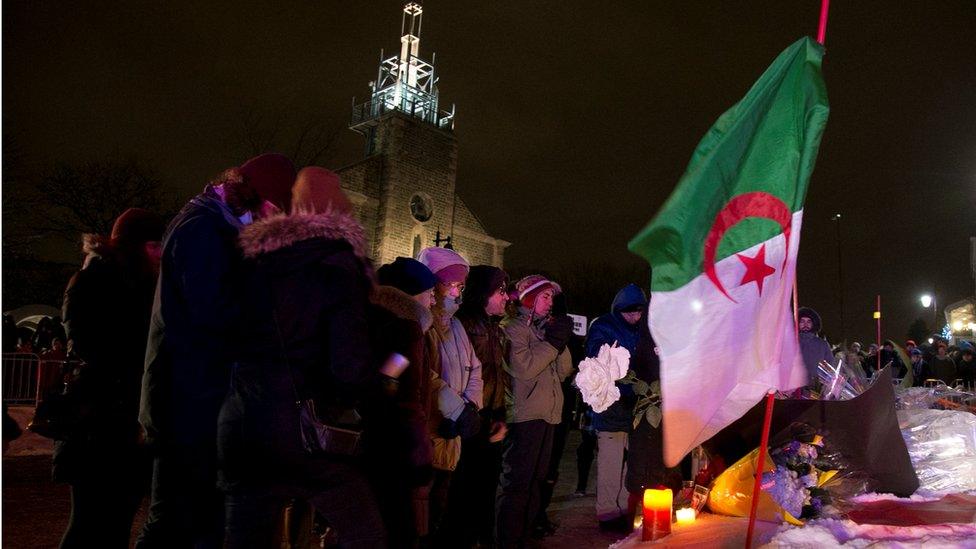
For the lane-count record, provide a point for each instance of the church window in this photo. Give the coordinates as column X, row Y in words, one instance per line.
column 421, row 207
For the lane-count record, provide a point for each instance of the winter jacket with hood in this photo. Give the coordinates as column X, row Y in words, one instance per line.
column 106, row 313
column 195, row 313
column 608, row 329
column 303, row 334
column 812, row 347
column 536, row 369
column 397, row 427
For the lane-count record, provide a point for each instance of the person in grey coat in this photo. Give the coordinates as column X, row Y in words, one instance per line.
column 537, row 361
column 812, row 346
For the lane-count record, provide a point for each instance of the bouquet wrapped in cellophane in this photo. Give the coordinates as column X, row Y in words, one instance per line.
column 802, row 478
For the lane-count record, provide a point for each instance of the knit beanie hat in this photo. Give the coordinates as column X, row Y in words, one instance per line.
column 407, row 275
column 271, row 175
column 447, row 264
column 137, row 226
column 318, row 190
column 531, row 286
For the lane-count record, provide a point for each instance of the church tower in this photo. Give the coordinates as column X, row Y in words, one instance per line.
column 404, row 189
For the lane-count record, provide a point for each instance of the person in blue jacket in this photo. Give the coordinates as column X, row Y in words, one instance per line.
column 620, row 326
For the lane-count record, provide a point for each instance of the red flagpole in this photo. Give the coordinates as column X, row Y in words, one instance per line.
column 760, row 463
column 877, row 316
column 822, row 30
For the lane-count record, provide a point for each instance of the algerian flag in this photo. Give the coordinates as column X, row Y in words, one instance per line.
column 723, row 254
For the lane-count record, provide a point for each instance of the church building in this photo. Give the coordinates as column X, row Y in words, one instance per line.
column 404, row 189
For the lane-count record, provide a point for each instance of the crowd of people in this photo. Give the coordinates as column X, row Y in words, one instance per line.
column 934, row 362
column 263, row 378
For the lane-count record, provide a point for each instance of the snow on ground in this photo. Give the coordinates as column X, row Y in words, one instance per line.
column 847, row 534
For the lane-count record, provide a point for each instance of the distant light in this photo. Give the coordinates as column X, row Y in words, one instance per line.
column 877, row 315
column 835, row 217
column 696, row 306
column 926, row 300
column 931, row 341
column 957, row 325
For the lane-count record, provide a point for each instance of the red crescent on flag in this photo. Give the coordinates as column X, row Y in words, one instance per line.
column 754, row 204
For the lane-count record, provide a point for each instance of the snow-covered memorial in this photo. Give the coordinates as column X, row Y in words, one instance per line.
column 784, row 456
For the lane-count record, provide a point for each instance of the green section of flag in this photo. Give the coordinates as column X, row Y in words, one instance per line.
column 767, row 142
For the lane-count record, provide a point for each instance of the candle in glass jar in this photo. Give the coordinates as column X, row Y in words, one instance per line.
column 657, row 514
column 685, row 516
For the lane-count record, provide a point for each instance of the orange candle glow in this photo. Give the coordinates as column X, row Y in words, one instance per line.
column 685, row 516
column 657, row 514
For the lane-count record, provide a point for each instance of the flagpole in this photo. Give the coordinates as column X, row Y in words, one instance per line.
column 796, row 311
column 822, row 30
column 877, row 316
column 760, row 463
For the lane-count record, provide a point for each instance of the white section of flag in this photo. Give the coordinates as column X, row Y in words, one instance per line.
column 719, row 358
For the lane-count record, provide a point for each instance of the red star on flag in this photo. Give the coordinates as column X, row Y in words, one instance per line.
column 756, row 268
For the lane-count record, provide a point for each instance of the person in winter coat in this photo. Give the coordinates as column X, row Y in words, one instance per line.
column 303, row 335
column 537, row 362
column 187, row 371
column 456, row 386
column 622, row 327
column 470, row 519
column 812, row 347
column 890, row 356
column 107, row 306
column 942, row 366
column 399, row 450
column 966, row 365
column 920, row 369
column 645, row 447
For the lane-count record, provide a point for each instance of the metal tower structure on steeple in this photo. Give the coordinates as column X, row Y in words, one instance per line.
column 404, row 82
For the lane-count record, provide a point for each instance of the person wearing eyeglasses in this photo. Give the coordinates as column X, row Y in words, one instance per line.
column 456, row 386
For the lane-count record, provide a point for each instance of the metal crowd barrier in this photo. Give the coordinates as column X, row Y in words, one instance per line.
column 26, row 378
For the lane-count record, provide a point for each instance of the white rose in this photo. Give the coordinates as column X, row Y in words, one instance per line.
column 597, row 375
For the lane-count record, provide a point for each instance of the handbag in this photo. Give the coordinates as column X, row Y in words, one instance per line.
column 341, row 435
column 62, row 415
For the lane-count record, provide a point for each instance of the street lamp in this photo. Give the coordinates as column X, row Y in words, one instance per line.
column 840, row 273
column 929, row 299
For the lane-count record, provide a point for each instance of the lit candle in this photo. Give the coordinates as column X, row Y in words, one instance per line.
column 685, row 516
column 657, row 514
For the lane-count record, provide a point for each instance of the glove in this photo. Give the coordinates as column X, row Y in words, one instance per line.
column 558, row 331
column 447, row 429
column 469, row 422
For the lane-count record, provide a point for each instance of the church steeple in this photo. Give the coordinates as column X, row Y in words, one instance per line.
column 403, row 83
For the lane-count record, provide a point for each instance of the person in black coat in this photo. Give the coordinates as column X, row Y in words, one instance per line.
column 106, row 310
column 187, row 364
column 304, row 335
column 645, row 455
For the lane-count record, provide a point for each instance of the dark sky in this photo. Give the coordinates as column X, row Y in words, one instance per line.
column 575, row 119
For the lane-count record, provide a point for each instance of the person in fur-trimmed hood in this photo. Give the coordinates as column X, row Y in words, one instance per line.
column 303, row 335
column 399, row 452
column 107, row 306
column 812, row 347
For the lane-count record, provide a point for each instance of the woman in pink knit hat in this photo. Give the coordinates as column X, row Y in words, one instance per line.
column 456, row 387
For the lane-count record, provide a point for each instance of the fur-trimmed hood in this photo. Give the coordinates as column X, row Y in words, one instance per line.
column 402, row 305
column 280, row 231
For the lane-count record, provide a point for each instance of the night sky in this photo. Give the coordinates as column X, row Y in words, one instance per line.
column 575, row 119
